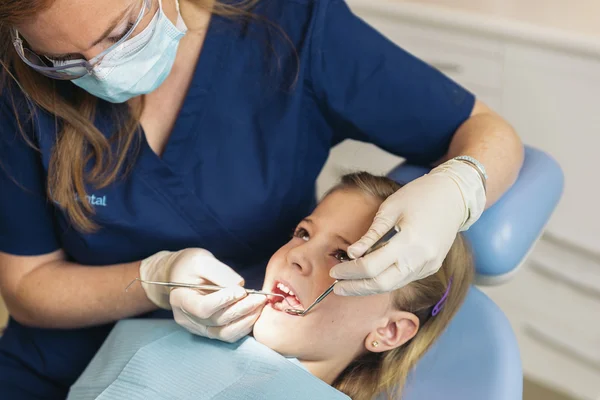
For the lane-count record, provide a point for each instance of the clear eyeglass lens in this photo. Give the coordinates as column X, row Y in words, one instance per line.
column 76, row 71
column 73, row 72
column 79, row 70
column 35, row 59
column 144, row 19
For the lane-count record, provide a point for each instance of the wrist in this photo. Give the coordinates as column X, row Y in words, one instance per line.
column 471, row 184
column 479, row 168
column 157, row 268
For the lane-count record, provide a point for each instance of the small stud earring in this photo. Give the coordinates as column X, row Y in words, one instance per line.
column 374, row 343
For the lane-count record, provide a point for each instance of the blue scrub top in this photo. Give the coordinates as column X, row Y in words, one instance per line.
column 239, row 170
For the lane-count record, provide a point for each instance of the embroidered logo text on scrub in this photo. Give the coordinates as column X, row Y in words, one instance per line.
column 95, row 201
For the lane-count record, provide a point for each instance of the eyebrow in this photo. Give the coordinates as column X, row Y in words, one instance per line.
column 311, row 222
column 343, row 240
column 107, row 32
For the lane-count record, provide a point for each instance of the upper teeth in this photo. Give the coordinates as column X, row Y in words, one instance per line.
column 285, row 289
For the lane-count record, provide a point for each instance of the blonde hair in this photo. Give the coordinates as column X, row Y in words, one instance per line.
column 79, row 140
column 373, row 373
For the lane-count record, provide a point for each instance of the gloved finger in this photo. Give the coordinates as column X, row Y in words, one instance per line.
column 374, row 263
column 382, row 223
column 203, row 306
column 380, row 284
column 235, row 330
column 358, row 287
column 390, row 279
column 237, row 310
column 401, row 272
column 189, row 322
column 219, row 273
column 368, row 266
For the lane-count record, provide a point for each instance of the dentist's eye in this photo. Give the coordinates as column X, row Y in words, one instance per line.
column 61, row 60
column 341, row 255
column 302, row 234
column 115, row 39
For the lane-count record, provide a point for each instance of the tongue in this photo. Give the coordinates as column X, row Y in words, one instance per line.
column 291, row 300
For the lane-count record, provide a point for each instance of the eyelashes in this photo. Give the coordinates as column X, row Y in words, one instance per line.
column 339, row 254
column 64, row 59
column 115, row 39
column 111, row 39
column 301, row 233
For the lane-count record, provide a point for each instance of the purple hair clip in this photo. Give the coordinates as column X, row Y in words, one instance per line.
column 440, row 304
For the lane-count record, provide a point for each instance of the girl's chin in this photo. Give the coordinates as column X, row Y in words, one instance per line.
column 273, row 329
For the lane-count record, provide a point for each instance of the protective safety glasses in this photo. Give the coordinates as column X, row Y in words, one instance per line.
column 73, row 69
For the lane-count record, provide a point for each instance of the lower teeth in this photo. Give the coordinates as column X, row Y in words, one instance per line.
column 285, row 304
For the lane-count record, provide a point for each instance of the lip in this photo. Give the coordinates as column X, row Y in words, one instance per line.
column 290, row 286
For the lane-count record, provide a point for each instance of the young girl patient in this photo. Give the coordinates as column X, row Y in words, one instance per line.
column 361, row 346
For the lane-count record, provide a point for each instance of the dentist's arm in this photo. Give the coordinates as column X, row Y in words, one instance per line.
column 488, row 138
column 377, row 92
column 47, row 291
column 432, row 209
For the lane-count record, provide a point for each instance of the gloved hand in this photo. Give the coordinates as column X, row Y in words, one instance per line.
column 227, row 315
column 429, row 211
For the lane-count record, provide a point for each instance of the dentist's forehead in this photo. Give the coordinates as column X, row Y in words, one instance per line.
column 54, row 29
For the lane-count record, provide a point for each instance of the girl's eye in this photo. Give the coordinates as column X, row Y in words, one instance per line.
column 341, row 255
column 302, row 234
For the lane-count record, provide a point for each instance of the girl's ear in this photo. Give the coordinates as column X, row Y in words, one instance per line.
column 399, row 329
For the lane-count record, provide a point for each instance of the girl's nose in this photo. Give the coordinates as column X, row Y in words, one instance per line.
column 298, row 257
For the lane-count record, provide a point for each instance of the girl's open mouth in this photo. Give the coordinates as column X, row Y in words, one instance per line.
column 291, row 299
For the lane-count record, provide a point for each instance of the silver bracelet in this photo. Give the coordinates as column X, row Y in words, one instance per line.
column 477, row 166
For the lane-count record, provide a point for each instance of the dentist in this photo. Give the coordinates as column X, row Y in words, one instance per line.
column 202, row 126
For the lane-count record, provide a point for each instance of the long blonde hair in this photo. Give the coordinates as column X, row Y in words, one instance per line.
column 79, row 141
column 373, row 373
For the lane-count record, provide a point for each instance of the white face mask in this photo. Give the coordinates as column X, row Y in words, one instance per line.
column 140, row 65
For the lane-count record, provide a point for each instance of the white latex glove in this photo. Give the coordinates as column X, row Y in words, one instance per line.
column 430, row 211
column 228, row 314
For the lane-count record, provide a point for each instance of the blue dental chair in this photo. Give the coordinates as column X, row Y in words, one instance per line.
column 478, row 358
